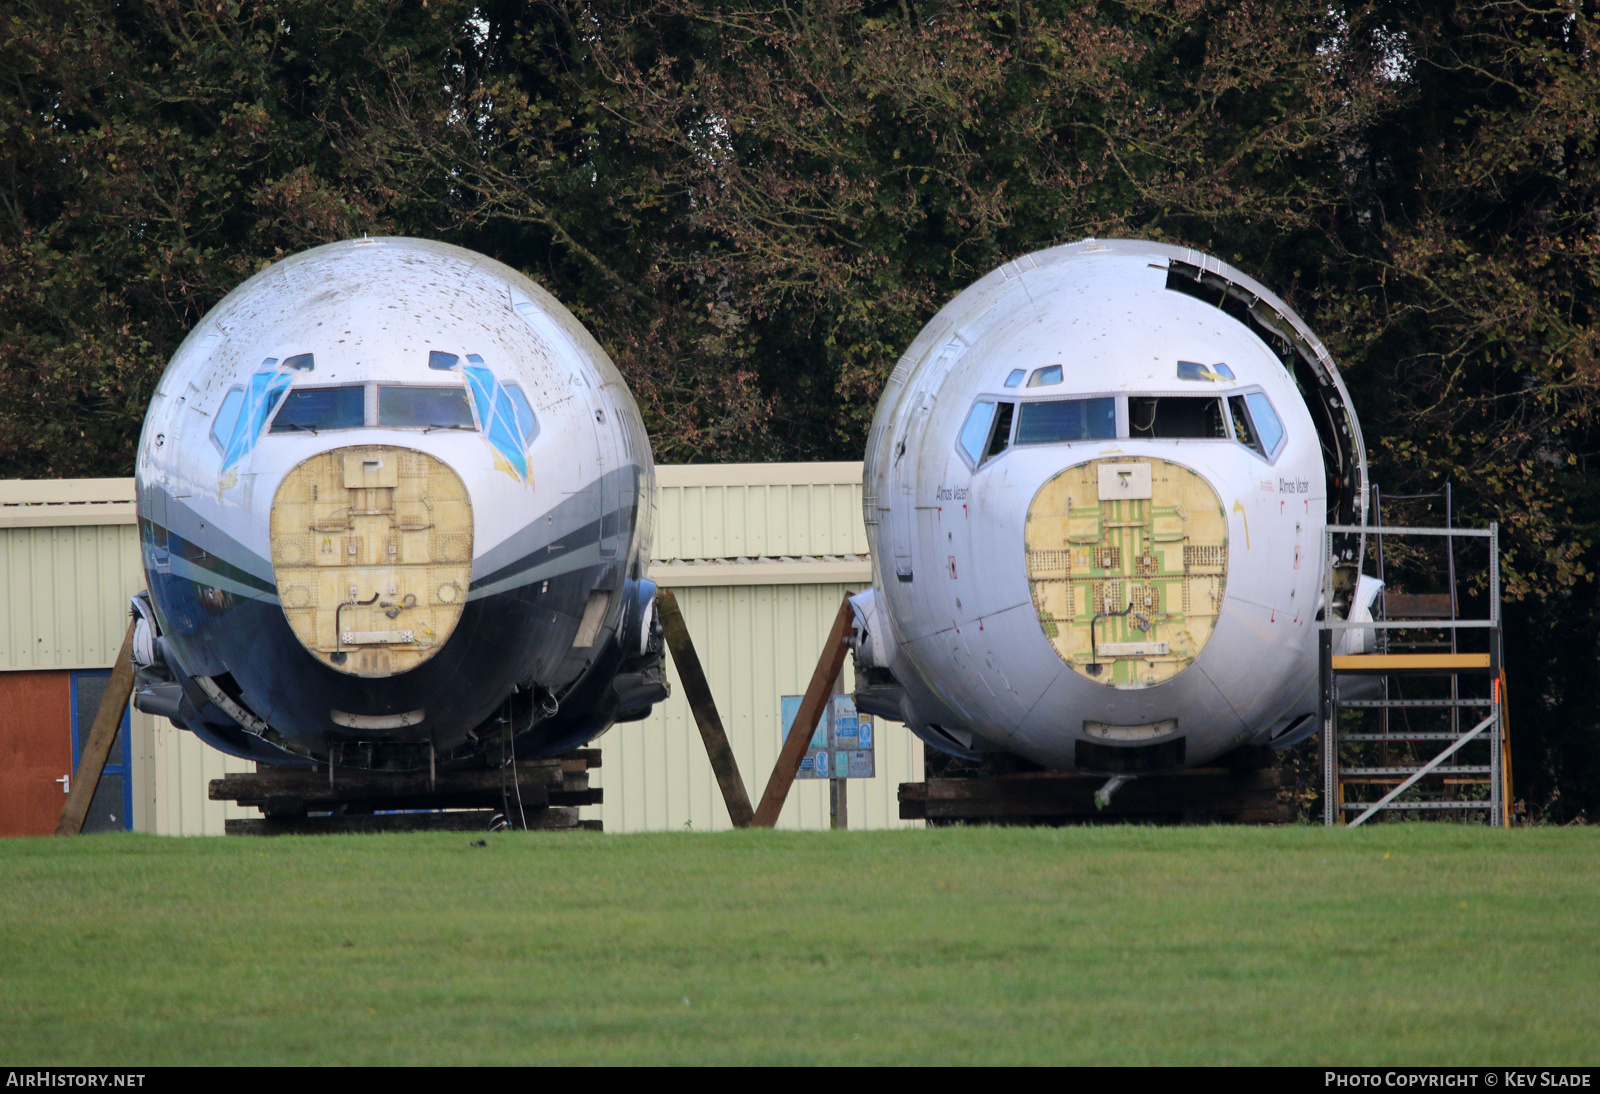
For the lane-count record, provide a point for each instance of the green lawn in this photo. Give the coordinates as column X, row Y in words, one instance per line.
column 1400, row 943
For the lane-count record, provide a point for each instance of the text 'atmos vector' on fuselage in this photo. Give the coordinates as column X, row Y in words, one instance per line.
column 395, row 507
column 1096, row 491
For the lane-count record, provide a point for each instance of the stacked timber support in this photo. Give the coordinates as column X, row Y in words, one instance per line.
column 1201, row 795
column 533, row 794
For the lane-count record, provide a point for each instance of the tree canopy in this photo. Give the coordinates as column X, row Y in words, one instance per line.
column 755, row 206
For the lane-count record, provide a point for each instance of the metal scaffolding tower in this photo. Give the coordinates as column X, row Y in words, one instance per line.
column 1394, row 688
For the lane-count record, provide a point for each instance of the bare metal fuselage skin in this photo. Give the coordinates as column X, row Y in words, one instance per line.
column 1121, row 602
column 395, row 508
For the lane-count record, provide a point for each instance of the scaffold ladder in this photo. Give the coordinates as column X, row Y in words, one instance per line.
column 1462, row 722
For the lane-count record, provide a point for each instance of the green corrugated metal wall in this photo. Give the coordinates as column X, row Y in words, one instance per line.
column 758, row 644
column 750, row 510
column 64, row 604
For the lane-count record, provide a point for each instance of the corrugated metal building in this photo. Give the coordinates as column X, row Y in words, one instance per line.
column 760, row 556
column 69, row 561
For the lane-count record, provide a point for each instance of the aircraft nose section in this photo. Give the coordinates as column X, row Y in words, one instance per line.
column 372, row 553
column 1127, row 561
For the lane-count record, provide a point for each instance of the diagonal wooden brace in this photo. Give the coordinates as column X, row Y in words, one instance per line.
column 811, row 707
column 95, row 750
column 704, row 708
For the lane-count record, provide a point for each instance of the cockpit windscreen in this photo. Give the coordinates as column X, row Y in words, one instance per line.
column 317, row 408
column 1056, row 420
column 1176, row 417
column 406, row 407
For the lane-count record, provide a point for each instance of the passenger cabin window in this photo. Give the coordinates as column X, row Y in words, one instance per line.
column 1016, row 377
column 1178, row 417
column 312, row 409
column 1043, row 377
column 1057, row 420
column 1255, row 423
column 408, row 407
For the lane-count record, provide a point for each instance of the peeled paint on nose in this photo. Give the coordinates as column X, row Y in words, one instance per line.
column 1128, row 564
column 372, row 553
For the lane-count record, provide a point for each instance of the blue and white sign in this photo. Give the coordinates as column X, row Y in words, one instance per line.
column 841, row 745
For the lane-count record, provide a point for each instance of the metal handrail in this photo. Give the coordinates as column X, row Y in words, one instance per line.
column 1396, row 530
column 1405, row 624
column 1491, row 533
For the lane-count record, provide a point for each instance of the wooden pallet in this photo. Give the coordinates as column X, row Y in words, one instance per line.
column 1194, row 796
column 542, row 794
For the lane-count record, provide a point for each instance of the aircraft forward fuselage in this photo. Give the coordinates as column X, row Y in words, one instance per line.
column 395, row 508
column 1096, row 498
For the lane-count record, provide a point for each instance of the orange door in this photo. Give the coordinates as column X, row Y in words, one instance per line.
column 35, row 750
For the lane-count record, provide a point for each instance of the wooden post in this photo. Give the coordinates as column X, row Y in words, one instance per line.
column 698, row 692
column 818, row 692
column 95, row 750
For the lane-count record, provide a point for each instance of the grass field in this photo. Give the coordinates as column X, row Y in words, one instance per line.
column 1404, row 943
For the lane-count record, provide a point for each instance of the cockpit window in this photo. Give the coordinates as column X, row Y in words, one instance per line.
column 409, row 407
column 1243, row 431
column 1178, row 417
column 1265, row 431
column 1016, row 377
column 301, row 362
column 987, row 431
column 527, row 423
column 975, row 434
column 227, row 418
column 1194, row 370
column 1000, row 438
column 1056, row 420
column 1266, row 419
column 317, row 408
column 443, row 362
column 1043, row 377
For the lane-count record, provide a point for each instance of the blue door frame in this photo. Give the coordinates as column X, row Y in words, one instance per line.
column 105, row 812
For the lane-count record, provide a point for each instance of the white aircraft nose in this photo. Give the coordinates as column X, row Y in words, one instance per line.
column 1127, row 560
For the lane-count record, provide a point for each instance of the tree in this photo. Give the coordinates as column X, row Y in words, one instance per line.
column 756, row 207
